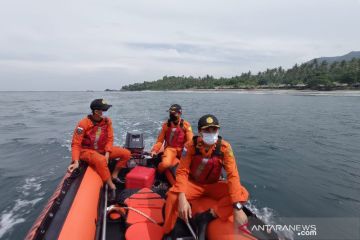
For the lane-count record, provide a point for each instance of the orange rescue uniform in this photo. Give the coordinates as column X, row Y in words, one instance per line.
column 174, row 136
column 91, row 140
column 224, row 192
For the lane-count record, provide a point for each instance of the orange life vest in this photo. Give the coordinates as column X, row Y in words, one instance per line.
column 96, row 137
column 175, row 136
column 206, row 170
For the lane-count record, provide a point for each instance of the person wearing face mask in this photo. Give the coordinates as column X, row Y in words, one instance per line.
column 198, row 175
column 174, row 134
column 92, row 142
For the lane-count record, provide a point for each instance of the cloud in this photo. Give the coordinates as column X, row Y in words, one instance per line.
column 64, row 44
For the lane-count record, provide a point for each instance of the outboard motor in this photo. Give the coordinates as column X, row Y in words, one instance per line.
column 135, row 142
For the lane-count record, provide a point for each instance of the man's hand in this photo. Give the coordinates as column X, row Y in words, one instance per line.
column 153, row 154
column 184, row 208
column 240, row 218
column 107, row 155
column 73, row 166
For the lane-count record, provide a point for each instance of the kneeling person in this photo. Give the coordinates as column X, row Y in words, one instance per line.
column 198, row 175
column 93, row 143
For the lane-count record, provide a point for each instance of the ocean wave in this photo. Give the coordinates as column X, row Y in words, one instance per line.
column 18, row 139
column 31, row 184
column 340, row 199
column 23, row 205
column 267, row 215
column 13, row 126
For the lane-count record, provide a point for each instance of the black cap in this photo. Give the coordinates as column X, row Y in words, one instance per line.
column 99, row 104
column 175, row 108
column 208, row 120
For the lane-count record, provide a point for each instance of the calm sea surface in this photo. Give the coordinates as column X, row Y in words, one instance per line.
column 298, row 153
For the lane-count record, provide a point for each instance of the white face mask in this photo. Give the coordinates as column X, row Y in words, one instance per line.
column 210, row 138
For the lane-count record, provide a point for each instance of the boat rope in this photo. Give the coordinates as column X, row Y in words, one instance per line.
column 141, row 213
column 191, row 230
column 132, row 209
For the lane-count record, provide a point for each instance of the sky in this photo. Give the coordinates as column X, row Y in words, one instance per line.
column 93, row 45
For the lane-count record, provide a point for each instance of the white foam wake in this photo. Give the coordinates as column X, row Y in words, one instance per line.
column 30, row 194
column 267, row 215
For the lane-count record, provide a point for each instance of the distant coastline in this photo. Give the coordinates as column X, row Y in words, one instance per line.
column 345, row 92
column 257, row 88
column 323, row 74
column 265, row 89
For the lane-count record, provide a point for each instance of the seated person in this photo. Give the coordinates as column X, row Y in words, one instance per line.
column 198, row 175
column 92, row 142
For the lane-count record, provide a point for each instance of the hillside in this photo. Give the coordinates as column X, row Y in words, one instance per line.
column 346, row 57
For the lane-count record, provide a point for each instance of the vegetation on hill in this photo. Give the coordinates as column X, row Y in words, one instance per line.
column 310, row 75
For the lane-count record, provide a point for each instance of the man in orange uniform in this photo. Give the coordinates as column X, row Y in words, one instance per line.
column 198, row 175
column 175, row 133
column 93, row 143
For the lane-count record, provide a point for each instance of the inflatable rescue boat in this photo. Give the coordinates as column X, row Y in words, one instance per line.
column 80, row 209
